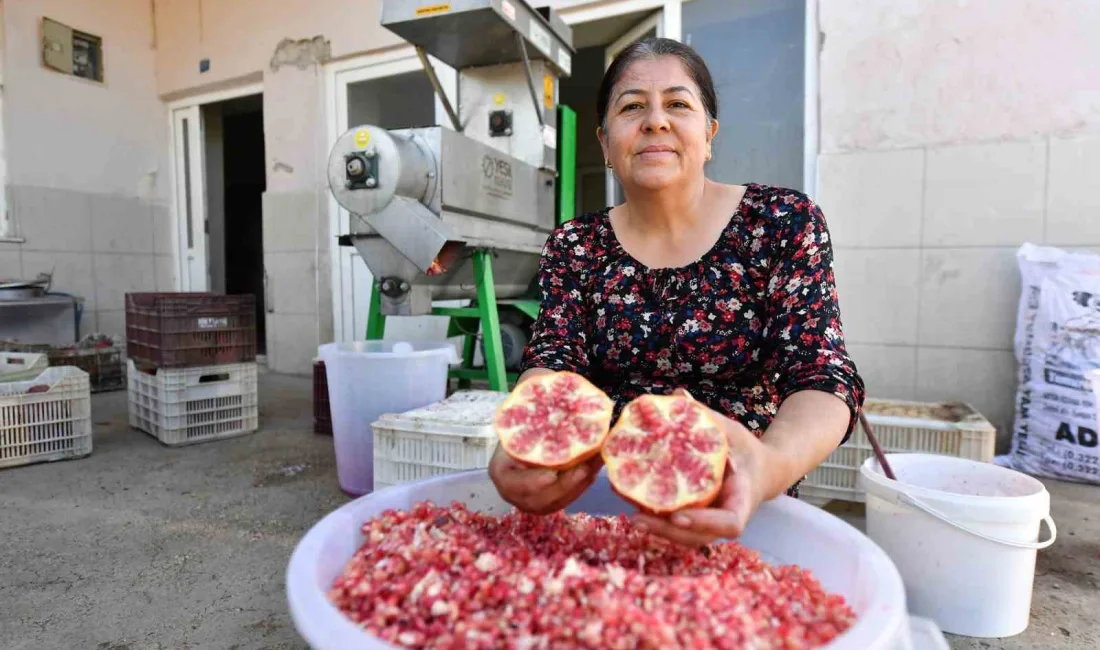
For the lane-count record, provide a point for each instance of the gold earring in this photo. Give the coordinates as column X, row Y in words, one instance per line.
column 608, row 164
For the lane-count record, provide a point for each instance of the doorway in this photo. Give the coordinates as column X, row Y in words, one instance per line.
column 597, row 42
column 236, row 181
column 219, row 177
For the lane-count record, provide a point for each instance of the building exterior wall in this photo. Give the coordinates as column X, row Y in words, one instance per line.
column 951, row 133
column 286, row 45
column 87, row 164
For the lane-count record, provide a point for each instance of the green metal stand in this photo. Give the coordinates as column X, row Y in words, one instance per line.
column 567, row 163
column 484, row 311
column 465, row 322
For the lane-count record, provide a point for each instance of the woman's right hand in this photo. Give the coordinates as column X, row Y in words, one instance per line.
column 537, row 490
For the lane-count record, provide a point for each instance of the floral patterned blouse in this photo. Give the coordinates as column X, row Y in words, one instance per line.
column 752, row 321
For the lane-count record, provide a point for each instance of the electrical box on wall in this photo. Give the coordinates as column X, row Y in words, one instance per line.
column 71, row 51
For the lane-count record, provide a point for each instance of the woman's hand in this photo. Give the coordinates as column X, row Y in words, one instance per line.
column 536, row 490
column 746, row 485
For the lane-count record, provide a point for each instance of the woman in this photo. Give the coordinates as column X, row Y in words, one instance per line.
column 724, row 292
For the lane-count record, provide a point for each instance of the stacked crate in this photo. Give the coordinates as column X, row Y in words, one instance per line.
column 192, row 365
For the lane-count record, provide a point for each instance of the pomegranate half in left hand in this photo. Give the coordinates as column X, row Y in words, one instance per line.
column 556, row 421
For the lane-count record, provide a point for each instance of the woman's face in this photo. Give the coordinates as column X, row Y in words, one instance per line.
column 657, row 133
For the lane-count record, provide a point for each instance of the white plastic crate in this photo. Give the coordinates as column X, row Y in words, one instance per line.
column 184, row 406
column 54, row 423
column 19, row 366
column 951, row 429
column 452, row 435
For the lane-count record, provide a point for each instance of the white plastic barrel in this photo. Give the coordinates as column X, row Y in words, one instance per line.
column 369, row 378
column 784, row 531
column 964, row 535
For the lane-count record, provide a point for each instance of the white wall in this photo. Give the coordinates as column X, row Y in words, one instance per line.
column 87, row 163
column 951, row 133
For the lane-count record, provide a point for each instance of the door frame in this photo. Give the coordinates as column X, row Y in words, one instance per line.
column 671, row 26
column 654, row 21
column 338, row 76
column 193, row 104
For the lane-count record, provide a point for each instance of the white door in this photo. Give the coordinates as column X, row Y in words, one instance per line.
column 391, row 92
column 653, row 25
column 190, row 197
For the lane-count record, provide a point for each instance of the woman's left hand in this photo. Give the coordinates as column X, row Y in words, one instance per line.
column 744, row 488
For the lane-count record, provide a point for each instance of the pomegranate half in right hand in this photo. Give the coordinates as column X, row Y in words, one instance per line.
column 556, row 420
column 666, row 453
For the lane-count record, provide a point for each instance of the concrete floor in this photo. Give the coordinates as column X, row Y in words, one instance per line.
column 140, row 546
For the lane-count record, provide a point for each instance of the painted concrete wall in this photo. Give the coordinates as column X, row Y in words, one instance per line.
column 244, row 43
column 951, row 133
column 240, row 37
column 87, row 164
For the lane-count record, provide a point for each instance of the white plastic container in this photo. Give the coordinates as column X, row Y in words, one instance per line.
column 785, row 531
column 369, row 378
column 450, row 436
column 954, row 429
column 186, row 406
column 52, row 423
column 963, row 535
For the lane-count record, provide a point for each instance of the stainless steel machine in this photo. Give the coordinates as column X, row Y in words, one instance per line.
column 429, row 201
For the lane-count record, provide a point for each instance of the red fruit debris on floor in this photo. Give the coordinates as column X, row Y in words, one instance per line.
column 446, row 577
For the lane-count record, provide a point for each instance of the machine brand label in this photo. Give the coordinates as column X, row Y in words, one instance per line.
column 564, row 61
column 496, row 177
column 539, row 36
column 211, row 323
column 437, row 8
column 508, row 10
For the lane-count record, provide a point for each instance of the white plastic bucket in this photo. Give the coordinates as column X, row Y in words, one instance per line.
column 964, row 535
column 784, row 530
column 369, row 378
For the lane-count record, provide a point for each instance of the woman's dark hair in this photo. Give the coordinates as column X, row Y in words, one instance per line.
column 653, row 48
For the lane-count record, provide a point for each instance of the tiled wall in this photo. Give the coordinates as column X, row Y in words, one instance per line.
column 926, row 240
column 98, row 247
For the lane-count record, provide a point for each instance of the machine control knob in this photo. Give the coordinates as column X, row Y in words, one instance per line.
column 355, row 168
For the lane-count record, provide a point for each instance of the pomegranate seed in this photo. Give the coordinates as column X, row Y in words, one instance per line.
column 444, row 577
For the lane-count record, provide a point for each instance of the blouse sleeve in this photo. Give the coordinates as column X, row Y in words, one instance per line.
column 558, row 338
column 803, row 321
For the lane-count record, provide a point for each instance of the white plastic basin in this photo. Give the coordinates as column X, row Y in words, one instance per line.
column 784, row 531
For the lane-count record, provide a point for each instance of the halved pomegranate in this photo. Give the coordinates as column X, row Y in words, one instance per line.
column 666, row 453
column 556, row 420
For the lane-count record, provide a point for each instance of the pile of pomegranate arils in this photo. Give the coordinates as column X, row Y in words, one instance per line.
column 446, row 577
